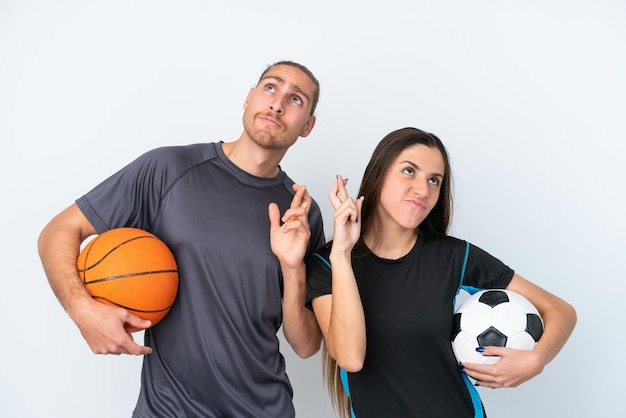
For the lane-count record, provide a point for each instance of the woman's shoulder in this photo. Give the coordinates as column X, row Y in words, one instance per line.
column 323, row 251
column 443, row 241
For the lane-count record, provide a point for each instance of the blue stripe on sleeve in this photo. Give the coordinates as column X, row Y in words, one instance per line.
column 323, row 259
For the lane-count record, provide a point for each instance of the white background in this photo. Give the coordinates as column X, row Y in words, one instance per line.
column 529, row 97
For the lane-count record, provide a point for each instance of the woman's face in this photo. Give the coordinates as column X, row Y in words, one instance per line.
column 411, row 187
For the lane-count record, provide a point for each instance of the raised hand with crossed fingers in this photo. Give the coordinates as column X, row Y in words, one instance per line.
column 347, row 229
column 289, row 242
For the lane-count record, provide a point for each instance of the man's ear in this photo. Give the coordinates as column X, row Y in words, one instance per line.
column 245, row 104
column 308, row 126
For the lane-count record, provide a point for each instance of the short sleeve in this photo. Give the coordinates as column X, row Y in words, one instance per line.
column 484, row 271
column 132, row 196
column 319, row 277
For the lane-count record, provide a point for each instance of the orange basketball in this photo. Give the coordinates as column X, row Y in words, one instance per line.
column 130, row 268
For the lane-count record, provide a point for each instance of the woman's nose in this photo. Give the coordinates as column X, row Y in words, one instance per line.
column 420, row 187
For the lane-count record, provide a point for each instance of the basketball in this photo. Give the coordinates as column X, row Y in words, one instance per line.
column 130, row 268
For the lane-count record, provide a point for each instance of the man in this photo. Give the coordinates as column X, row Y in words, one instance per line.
column 242, row 276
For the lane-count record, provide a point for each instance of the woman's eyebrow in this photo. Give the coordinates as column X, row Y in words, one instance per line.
column 412, row 164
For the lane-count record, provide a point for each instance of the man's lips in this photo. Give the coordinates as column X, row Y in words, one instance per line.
column 270, row 121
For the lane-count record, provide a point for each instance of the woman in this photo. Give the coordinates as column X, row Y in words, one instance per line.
column 385, row 307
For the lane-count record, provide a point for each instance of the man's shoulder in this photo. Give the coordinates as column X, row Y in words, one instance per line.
column 182, row 156
column 199, row 151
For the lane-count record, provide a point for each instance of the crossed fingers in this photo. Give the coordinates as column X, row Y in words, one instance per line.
column 338, row 193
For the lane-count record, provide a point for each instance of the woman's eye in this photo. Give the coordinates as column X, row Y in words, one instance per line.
column 435, row 181
column 409, row 171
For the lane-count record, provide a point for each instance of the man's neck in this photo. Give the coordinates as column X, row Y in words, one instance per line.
column 255, row 160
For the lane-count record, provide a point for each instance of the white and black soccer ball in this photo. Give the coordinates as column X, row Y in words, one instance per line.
column 494, row 317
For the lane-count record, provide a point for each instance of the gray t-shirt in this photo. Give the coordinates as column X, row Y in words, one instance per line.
column 216, row 353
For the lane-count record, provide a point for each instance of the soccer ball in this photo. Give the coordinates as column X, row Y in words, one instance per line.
column 494, row 317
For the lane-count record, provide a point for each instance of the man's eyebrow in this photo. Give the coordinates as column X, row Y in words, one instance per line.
column 278, row 79
column 294, row 87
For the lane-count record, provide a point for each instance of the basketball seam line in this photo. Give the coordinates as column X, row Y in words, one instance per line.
column 124, row 276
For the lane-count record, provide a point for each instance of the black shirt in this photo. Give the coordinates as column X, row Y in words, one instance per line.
column 410, row 369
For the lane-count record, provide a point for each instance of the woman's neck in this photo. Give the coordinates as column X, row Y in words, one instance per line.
column 392, row 246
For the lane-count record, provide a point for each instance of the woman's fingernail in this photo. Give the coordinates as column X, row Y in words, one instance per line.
column 480, row 349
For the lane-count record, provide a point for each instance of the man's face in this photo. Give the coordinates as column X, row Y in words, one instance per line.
column 277, row 111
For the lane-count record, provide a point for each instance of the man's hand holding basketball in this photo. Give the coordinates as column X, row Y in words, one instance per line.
column 104, row 328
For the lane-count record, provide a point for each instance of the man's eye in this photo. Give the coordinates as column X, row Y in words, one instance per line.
column 296, row 100
column 270, row 88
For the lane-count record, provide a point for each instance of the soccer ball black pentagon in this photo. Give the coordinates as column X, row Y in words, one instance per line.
column 494, row 317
